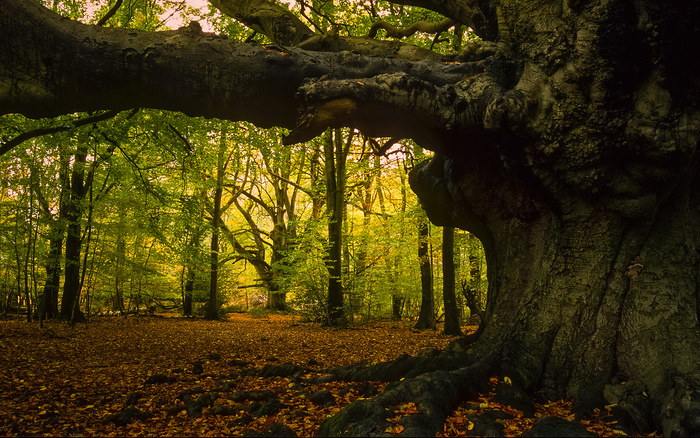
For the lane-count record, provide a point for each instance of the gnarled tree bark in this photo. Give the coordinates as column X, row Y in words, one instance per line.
column 569, row 148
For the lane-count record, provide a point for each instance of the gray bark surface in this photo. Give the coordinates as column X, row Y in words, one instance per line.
column 567, row 143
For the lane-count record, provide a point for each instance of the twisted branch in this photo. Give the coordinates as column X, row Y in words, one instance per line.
column 471, row 13
column 419, row 26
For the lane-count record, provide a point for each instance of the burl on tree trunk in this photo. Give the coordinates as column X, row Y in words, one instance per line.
column 566, row 141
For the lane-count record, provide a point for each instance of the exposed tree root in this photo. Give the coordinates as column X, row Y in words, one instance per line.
column 435, row 394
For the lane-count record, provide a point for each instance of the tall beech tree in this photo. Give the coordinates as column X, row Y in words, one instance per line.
column 221, row 164
column 70, row 308
column 335, row 159
column 270, row 189
column 565, row 141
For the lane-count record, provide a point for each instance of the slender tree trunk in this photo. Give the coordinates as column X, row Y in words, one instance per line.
column 471, row 288
column 397, row 303
column 316, row 184
column 18, row 263
column 70, row 307
column 277, row 299
column 57, row 230
column 448, row 283
column 27, row 288
column 188, row 290
column 365, row 193
column 213, row 308
column 86, row 249
column 119, row 273
column 94, row 269
column 191, row 266
column 190, row 272
column 30, row 238
column 48, row 307
column 335, row 190
column 7, row 290
column 35, row 280
column 426, row 320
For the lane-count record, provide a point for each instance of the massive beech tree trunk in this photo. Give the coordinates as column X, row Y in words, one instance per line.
column 566, row 141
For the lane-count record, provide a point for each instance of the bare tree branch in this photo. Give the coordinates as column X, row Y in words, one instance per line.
column 284, row 28
column 274, row 21
column 477, row 14
column 419, row 26
column 62, row 126
column 113, row 10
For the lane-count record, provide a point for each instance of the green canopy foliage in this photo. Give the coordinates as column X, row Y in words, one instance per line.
column 151, row 177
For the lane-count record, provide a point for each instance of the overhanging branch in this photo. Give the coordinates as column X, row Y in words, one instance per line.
column 403, row 106
column 198, row 73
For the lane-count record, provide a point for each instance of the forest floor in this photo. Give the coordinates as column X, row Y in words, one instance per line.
column 93, row 379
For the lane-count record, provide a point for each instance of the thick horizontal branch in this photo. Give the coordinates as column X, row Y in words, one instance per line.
column 403, row 106
column 51, row 66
